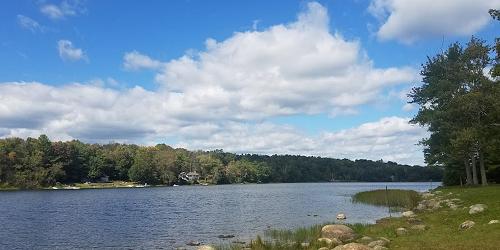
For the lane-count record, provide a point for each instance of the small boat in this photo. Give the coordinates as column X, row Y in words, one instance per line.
column 175, row 185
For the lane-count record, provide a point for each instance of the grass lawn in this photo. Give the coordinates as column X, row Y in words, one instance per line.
column 443, row 224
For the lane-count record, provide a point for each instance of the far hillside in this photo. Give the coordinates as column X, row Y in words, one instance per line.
column 38, row 162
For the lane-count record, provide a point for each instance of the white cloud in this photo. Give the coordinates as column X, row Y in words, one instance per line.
column 390, row 139
column 224, row 96
column 97, row 114
column 64, row 9
column 29, row 24
column 137, row 61
column 287, row 69
column 68, row 52
column 409, row 20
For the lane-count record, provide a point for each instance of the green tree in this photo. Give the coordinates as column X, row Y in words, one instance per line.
column 144, row 169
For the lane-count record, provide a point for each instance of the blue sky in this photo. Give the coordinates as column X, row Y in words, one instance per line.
column 324, row 78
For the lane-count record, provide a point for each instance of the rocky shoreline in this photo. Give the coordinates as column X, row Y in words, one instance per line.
column 343, row 237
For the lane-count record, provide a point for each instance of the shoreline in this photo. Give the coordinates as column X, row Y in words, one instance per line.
column 128, row 184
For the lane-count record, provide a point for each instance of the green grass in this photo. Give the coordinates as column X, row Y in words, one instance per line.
column 396, row 199
column 442, row 232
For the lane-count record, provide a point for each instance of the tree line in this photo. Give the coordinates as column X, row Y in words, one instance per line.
column 459, row 103
column 38, row 162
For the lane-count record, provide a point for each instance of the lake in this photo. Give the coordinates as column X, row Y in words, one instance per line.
column 169, row 217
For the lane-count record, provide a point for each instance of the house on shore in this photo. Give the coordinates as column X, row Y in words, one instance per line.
column 190, row 176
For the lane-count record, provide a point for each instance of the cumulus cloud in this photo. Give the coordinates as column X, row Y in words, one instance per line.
column 64, row 9
column 285, row 69
column 390, row 139
column 408, row 21
column 224, row 96
column 97, row 114
column 68, row 52
column 29, row 24
column 137, row 61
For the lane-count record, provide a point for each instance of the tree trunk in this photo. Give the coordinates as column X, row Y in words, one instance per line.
column 474, row 171
column 467, row 172
column 484, row 182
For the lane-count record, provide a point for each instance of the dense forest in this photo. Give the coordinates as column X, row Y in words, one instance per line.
column 38, row 162
column 460, row 105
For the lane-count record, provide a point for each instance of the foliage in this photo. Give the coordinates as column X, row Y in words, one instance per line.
column 34, row 163
column 460, row 105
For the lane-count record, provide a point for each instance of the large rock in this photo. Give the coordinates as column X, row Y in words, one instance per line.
column 341, row 232
column 427, row 195
column 401, row 231
column 408, row 214
column 413, row 220
column 467, row 224
column 323, row 248
column 384, row 239
column 477, row 208
column 365, row 239
column 494, row 222
column 419, row 227
column 326, row 241
column 330, row 242
column 355, row 246
column 382, row 243
column 431, row 204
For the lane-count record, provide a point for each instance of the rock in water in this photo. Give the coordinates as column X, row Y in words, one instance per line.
column 494, row 222
column 223, row 236
column 341, row 216
column 467, row 224
column 408, row 214
column 193, row 243
column 478, row 208
column 401, row 231
column 341, row 232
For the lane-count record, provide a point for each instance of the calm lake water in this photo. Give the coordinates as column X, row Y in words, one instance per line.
column 169, row 217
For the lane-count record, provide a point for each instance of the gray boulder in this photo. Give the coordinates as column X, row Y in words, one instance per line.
column 401, row 231
column 477, row 208
column 382, row 243
column 341, row 232
column 467, row 224
column 408, row 214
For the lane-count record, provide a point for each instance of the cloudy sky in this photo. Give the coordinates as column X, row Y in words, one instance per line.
column 326, row 78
